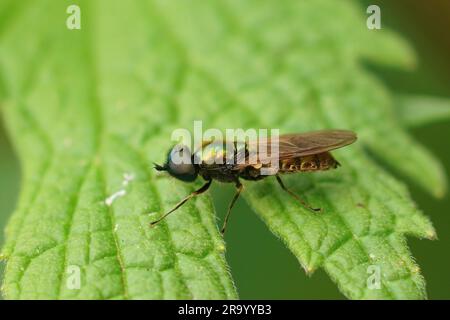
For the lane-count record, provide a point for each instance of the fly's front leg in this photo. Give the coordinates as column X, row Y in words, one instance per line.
column 179, row 204
column 239, row 188
column 302, row 202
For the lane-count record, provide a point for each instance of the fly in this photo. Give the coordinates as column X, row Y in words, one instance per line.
column 305, row 152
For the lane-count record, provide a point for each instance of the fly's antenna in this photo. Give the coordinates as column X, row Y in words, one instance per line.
column 160, row 168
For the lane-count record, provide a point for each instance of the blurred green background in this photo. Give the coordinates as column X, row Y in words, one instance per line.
column 262, row 267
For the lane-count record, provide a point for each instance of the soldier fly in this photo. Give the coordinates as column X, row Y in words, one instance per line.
column 306, row 152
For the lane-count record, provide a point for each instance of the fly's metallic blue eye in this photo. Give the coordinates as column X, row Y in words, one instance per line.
column 179, row 163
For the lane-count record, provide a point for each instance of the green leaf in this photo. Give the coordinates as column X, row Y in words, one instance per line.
column 85, row 107
column 417, row 110
column 76, row 139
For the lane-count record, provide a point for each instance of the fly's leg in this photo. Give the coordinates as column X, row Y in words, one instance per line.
column 303, row 203
column 179, row 204
column 239, row 188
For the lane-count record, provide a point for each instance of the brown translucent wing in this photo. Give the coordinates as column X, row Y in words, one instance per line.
column 304, row 144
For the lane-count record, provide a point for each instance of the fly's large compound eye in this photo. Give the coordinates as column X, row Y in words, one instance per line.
column 180, row 163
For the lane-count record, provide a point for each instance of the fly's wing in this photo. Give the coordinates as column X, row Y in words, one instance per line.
column 300, row 145
column 291, row 146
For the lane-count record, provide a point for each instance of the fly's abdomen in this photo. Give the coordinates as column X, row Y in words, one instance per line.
column 317, row 162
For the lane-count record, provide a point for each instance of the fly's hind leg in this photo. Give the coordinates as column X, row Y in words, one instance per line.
column 302, row 202
column 179, row 204
column 239, row 188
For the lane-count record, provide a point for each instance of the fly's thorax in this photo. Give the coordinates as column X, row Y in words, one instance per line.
column 219, row 152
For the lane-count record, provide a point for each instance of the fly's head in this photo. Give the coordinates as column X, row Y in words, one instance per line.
column 180, row 164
